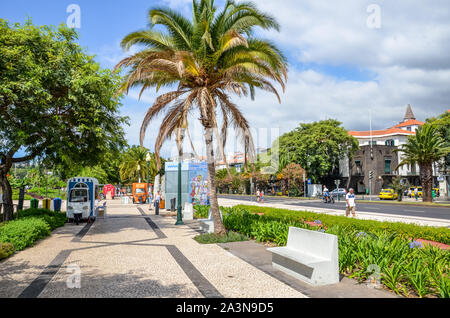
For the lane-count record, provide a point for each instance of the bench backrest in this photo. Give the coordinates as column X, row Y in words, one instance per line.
column 312, row 242
column 210, row 216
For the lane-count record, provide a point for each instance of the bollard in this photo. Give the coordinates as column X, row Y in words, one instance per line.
column 57, row 202
column 46, row 204
column 34, row 203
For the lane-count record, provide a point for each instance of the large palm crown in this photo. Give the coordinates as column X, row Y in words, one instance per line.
column 425, row 147
column 205, row 60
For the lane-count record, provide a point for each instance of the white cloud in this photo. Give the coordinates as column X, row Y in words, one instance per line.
column 407, row 61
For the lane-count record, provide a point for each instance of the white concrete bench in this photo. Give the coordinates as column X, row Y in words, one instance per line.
column 310, row 256
column 188, row 212
column 207, row 225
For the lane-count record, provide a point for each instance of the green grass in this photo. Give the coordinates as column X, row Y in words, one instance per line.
column 214, row 238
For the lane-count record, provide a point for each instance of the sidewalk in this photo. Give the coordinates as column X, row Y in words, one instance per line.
column 360, row 214
column 132, row 254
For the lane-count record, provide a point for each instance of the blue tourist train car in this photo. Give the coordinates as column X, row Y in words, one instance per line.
column 82, row 198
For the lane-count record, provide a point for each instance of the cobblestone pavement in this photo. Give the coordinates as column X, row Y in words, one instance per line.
column 131, row 253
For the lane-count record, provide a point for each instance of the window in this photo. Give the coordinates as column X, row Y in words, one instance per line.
column 408, row 128
column 387, row 166
column 390, row 143
column 358, row 163
column 79, row 195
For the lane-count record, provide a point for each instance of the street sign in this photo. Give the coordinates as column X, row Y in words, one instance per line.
column 309, row 181
column 337, row 182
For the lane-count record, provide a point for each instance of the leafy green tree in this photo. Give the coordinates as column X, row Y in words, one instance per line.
column 424, row 148
column 96, row 172
column 134, row 165
column 55, row 101
column 442, row 124
column 205, row 59
column 318, row 147
column 293, row 175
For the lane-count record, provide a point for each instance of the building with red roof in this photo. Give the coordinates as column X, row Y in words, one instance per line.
column 377, row 154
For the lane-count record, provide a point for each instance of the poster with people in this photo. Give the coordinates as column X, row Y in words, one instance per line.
column 198, row 184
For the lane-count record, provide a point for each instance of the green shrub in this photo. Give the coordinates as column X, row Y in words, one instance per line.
column 24, row 232
column 6, row 250
column 201, row 211
column 54, row 219
column 214, row 238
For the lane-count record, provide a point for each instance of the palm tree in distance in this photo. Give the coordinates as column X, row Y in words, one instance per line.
column 204, row 61
column 424, row 148
column 134, row 165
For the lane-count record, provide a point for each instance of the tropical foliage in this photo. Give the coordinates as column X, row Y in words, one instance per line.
column 424, row 148
column 203, row 61
column 55, row 101
column 317, row 147
column 406, row 266
column 134, row 165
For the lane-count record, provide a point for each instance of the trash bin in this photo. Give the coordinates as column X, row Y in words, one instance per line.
column 173, row 203
column 46, row 204
column 57, row 202
column 34, row 203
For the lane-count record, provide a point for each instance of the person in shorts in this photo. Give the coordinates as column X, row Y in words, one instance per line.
column 258, row 194
column 351, row 204
column 262, row 196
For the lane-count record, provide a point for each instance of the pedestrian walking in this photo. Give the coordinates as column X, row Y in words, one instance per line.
column 416, row 193
column 262, row 196
column 351, row 204
column 258, row 194
column 156, row 202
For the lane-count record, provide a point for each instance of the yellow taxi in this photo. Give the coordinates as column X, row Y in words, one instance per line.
column 388, row 194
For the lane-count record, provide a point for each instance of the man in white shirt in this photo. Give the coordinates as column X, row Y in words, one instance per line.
column 351, row 204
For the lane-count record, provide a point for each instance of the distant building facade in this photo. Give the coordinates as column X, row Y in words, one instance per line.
column 377, row 154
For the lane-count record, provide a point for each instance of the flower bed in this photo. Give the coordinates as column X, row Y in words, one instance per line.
column 407, row 267
column 406, row 231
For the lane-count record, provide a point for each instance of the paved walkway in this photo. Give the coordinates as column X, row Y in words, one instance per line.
column 360, row 214
column 132, row 254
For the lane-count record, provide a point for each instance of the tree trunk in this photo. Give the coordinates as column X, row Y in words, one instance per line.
column 8, row 207
column 426, row 176
column 219, row 228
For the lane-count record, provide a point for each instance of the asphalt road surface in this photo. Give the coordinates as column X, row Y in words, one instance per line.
column 385, row 208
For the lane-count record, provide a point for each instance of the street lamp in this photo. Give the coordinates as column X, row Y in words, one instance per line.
column 139, row 173
column 148, row 159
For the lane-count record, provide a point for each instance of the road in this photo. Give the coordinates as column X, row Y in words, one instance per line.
column 385, row 208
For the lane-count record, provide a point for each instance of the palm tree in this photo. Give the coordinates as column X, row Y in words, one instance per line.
column 204, row 60
column 134, row 165
column 424, row 148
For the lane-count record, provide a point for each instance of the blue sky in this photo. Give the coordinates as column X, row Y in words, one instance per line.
column 339, row 67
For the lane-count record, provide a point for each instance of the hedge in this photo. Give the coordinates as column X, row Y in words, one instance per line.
column 32, row 225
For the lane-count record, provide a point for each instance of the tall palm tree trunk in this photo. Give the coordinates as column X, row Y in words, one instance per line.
column 426, row 177
column 219, row 228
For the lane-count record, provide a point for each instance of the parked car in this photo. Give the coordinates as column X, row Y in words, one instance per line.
column 341, row 191
column 388, row 194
